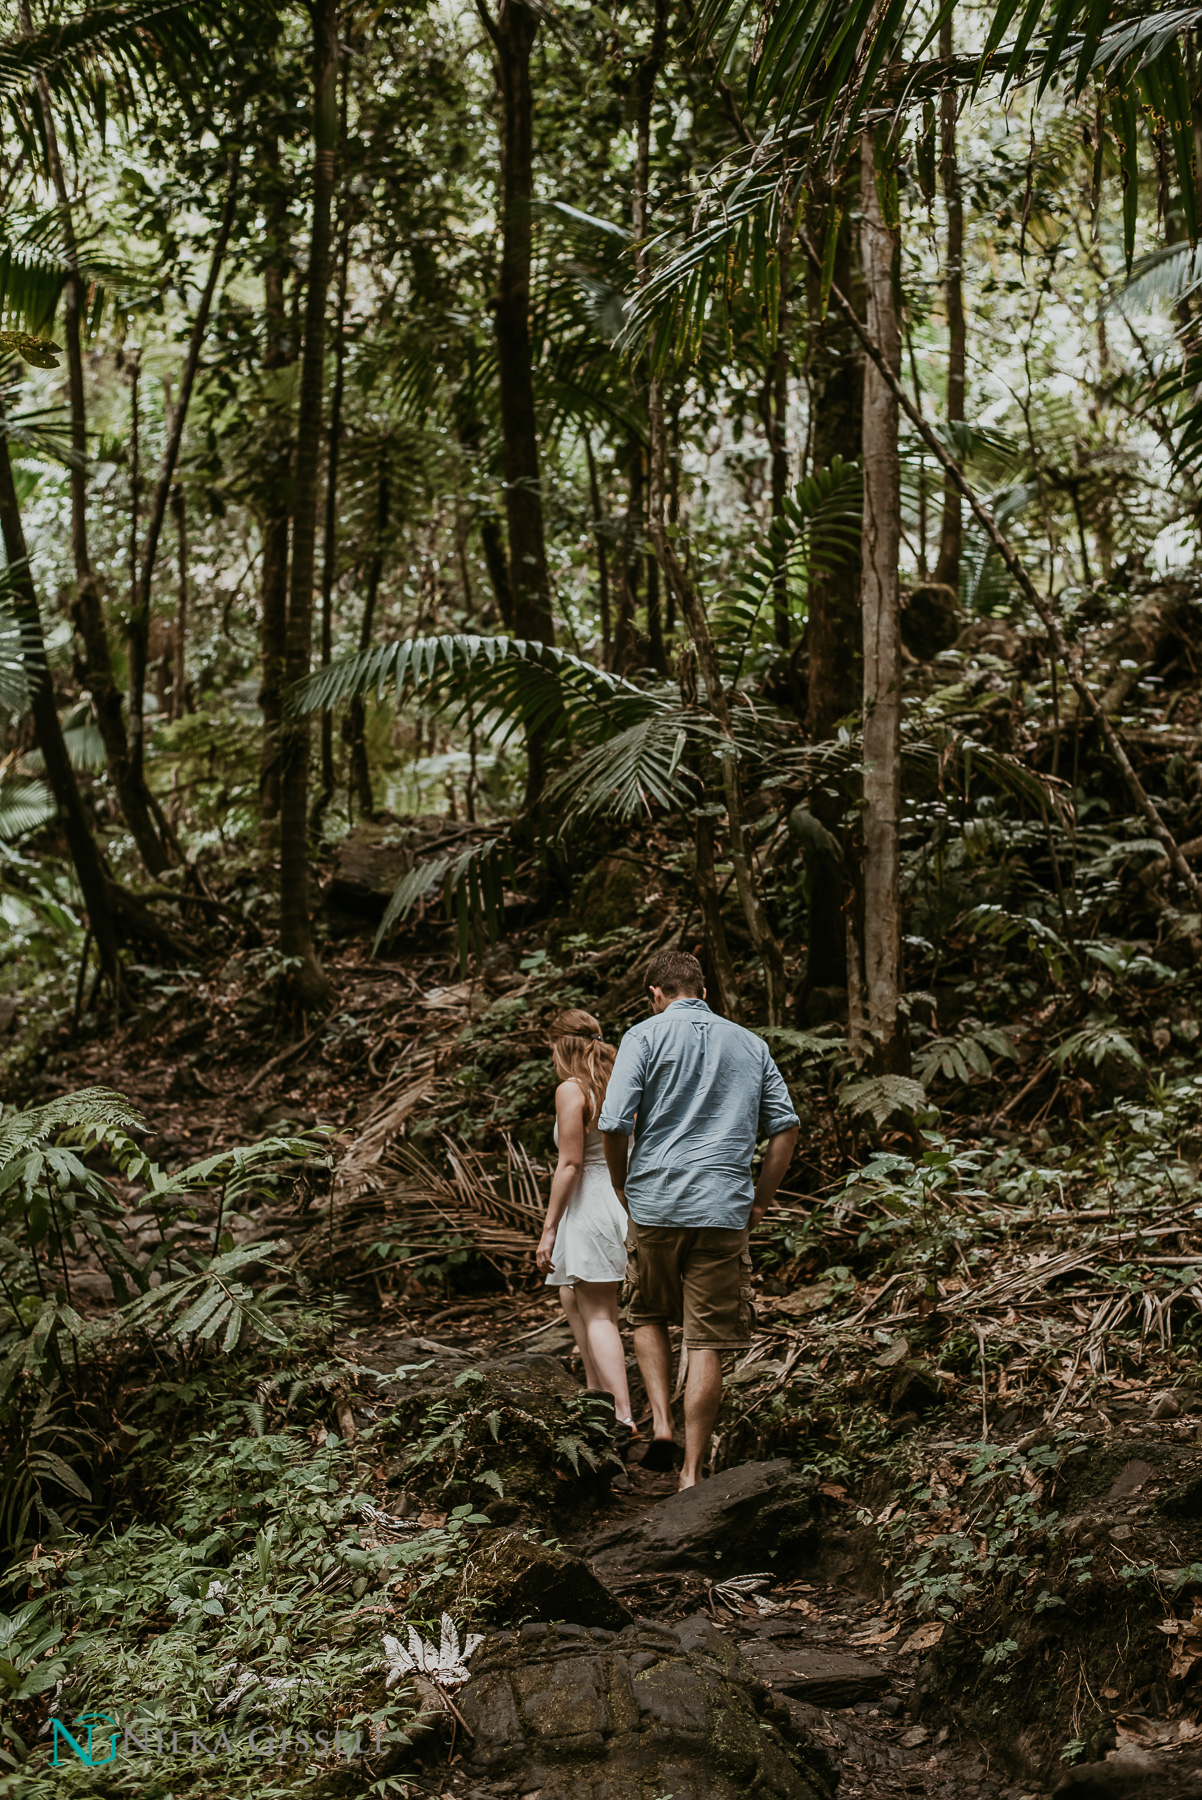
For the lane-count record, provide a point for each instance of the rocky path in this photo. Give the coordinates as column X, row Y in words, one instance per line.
column 751, row 1650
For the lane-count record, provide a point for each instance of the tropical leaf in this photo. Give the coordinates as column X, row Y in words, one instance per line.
column 964, row 1057
column 520, row 682
column 473, row 892
column 24, row 806
column 624, row 776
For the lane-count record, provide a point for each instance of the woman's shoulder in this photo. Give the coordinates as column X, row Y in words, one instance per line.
column 569, row 1094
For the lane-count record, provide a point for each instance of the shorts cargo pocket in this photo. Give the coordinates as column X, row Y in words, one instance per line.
column 630, row 1281
column 746, row 1304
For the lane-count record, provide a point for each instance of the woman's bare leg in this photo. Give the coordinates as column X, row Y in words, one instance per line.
column 597, row 1306
column 567, row 1299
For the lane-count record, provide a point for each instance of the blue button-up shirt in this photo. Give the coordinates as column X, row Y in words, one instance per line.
column 703, row 1089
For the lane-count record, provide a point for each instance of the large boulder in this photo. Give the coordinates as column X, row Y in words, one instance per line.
column 756, row 1516
column 592, row 1715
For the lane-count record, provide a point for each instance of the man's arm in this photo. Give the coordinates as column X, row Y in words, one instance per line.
column 777, row 1158
column 623, row 1098
column 617, row 1151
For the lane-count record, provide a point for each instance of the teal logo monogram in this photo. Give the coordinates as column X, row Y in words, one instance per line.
column 92, row 1756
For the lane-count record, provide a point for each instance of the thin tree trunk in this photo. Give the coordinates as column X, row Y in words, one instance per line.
column 492, row 542
column 835, row 377
column 73, row 820
column 138, row 633
column 513, row 33
column 724, row 997
column 947, row 568
column 881, row 541
column 330, row 548
column 307, row 980
column 279, row 351
column 630, row 567
column 779, row 416
column 94, row 662
column 139, row 624
column 359, row 772
column 648, row 74
column 835, row 373
column 594, row 489
column 762, row 936
column 179, row 676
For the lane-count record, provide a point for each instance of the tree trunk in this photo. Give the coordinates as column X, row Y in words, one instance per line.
column 760, row 930
column 330, row 547
column 835, row 373
column 594, row 489
column 881, row 542
column 179, row 675
column 279, row 350
column 137, row 638
column 73, row 820
column 625, row 654
column 94, row 662
column 835, row 376
column 139, row 627
column 359, row 773
column 647, row 76
column 947, row 568
column 307, row 981
column 723, row 983
column 779, row 416
column 513, row 34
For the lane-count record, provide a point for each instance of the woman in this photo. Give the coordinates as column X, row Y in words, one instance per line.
column 582, row 1251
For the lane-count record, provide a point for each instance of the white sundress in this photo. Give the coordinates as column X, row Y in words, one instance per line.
column 590, row 1244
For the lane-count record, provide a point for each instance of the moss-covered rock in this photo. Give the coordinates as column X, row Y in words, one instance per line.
column 590, row 1715
column 510, row 1578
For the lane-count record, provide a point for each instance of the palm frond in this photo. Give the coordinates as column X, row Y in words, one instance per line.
column 820, row 529
column 20, row 644
column 24, row 806
column 536, row 686
column 473, row 892
column 132, row 38
column 626, row 775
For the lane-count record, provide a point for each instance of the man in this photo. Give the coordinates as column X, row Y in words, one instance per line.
column 702, row 1090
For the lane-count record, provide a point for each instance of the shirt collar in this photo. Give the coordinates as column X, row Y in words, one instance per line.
column 691, row 1000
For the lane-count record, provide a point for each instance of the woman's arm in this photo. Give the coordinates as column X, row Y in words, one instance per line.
column 569, row 1114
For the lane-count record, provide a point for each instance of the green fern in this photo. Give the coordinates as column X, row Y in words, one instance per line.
column 883, row 1097
column 963, row 1057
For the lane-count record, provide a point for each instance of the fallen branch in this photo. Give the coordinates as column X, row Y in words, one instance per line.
column 1060, row 650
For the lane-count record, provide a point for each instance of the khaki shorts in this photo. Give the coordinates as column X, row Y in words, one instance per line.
column 699, row 1278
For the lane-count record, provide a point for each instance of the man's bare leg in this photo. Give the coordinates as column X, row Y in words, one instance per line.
column 702, row 1398
column 654, row 1352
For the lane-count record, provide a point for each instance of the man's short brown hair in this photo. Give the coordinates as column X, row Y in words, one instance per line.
column 676, row 972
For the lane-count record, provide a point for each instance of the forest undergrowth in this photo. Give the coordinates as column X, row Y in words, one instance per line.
column 975, row 1280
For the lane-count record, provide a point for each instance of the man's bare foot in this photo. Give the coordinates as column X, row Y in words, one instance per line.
column 686, row 1481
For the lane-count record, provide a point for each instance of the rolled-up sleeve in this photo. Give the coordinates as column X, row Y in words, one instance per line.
column 625, row 1091
column 776, row 1109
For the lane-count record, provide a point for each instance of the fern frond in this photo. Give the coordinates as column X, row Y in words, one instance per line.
column 78, row 1116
